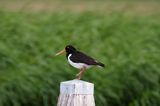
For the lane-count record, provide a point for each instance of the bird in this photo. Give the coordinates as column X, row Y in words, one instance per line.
column 79, row 60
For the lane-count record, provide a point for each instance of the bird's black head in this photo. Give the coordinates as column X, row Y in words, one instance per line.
column 70, row 49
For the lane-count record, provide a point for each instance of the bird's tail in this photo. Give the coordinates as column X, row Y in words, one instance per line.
column 101, row 64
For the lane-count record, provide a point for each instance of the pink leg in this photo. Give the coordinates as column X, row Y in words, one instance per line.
column 79, row 75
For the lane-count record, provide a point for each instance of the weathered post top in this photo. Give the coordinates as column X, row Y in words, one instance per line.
column 76, row 87
column 76, row 93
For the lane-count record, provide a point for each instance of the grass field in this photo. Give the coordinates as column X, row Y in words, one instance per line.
column 128, row 43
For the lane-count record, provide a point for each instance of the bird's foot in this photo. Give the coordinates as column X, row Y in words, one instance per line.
column 77, row 75
column 78, row 78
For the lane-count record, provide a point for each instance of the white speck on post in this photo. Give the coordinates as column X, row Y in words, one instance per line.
column 76, row 93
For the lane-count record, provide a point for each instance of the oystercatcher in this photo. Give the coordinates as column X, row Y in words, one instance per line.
column 79, row 60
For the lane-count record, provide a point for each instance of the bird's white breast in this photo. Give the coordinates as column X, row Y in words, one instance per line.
column 77, row 65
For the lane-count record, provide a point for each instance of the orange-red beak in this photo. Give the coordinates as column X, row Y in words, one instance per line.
column 61, row 52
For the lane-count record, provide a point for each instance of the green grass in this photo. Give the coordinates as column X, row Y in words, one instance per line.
column 127, row 44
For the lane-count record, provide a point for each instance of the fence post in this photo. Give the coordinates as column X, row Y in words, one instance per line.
column 76, row 93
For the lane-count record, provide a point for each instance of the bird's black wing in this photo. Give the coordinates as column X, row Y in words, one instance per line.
column 80, row 57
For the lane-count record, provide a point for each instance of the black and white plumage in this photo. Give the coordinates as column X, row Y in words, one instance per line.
column 79, row 60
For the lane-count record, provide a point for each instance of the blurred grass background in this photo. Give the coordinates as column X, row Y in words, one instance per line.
column 122, row 34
